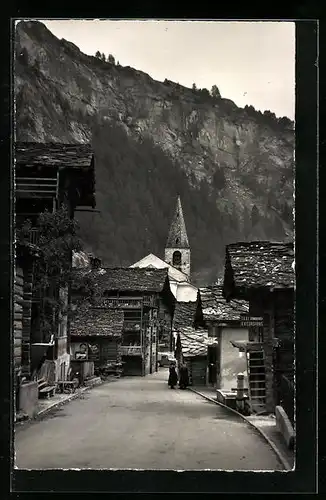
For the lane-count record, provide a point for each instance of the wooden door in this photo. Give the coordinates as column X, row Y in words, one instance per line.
column 212, row 365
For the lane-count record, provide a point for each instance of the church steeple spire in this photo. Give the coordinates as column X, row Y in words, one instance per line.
column 177, row 251
column 178, row 237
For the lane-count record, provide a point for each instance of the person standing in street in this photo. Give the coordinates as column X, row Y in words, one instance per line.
column 173, row 376
column 183, row 376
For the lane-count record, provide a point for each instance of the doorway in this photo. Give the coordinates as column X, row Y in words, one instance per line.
column 212, row 365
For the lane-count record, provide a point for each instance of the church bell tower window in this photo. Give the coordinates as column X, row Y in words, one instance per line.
column 176, row 259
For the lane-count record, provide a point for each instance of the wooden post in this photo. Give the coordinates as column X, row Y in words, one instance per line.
column 268, row 348
column 26, row 331
column 240, row 399
column 240, row 386
column 142, row 350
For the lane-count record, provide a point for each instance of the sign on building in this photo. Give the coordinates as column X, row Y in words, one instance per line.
column 79, row 350
column 247, row 321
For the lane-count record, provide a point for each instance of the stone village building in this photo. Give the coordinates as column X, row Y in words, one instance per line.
column 96, row 338
column 191, row 348
column 147, row 303
column 224, row 322
column 47, row 176
column 191, row 343
column 203, row 332
column 262, row 273
column 177, row 259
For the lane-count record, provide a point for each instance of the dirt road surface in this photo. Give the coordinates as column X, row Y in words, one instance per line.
column 139, row 423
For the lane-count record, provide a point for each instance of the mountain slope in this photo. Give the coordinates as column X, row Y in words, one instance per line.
column 232, row 167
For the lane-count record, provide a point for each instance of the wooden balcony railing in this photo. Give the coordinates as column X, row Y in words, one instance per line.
column 28, row 235
column 128, row 302
column 134, row 350
column 131, row 325
column 116, row 302
column 36, row 187
column 149, row 302
column 34, row 236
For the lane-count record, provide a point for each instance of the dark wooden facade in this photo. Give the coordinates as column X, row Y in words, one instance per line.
column 191, row 348
column 197, row 369
column 18, row 318
column 96, row 337
column 164, row 327
column 277, row 309
column 47, row 176
column 139, row 330
column 26, row 256
column 144, row 297
column 263, row 274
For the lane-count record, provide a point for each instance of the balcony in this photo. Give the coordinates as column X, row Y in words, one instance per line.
column 131, row 350
column 149, row 302
column 125, row 303
column 34, row 236
column 28, row 235
column 128, row 302
column 37, row 187
column 131, row 325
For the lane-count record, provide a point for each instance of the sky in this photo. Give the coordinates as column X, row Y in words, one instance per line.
column 251, row 63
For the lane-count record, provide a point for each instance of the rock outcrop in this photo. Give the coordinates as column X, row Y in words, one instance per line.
column 244, row 155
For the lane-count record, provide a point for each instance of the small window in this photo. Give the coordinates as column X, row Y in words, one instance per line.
column 176, row 262
column 177, row 241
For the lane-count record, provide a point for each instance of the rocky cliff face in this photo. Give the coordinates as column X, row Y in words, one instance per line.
column 247, row 156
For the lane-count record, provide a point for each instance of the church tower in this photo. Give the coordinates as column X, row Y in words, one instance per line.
column 177, row 250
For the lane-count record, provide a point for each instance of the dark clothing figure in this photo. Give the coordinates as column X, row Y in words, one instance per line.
column 183, row 377
column 173, row 377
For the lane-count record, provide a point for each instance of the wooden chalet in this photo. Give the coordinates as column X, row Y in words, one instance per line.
column 47, row 176
column 50, row 174
column 147, row 303
column 262, row 273
column 188, row 314
column 26, row 391
column 96, row 335
column 192, row 348
column 224, row 322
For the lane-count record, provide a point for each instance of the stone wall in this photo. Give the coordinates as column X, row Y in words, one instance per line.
column 185, row 259
column 232, row 361
column 269, row 384
column 28, row 397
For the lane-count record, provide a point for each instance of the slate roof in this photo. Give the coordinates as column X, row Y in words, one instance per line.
column 194, row 342
column 177, row 237
column 124, row 279
column 53, row 154
column 76, row 159
column 216, row 308
column 97, row 322
column 260, row 264
column 184, row 314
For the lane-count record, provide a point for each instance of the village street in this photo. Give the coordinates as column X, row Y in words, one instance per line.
column 140, row 423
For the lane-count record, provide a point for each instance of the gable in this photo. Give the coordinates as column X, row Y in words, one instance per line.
column 153, row 261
